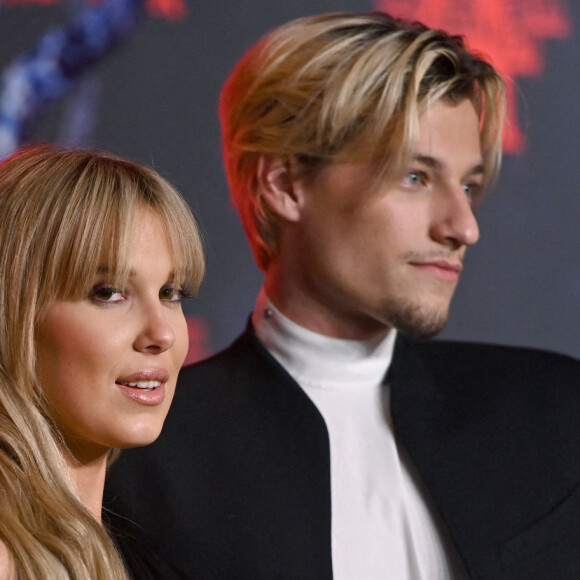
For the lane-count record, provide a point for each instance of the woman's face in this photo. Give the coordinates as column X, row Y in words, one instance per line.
column 108, row 363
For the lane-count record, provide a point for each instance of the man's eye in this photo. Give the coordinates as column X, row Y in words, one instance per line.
column 471, row 190
column 414, row 178
column 106, row 294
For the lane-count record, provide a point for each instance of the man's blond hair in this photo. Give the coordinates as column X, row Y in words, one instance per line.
column 340, row 87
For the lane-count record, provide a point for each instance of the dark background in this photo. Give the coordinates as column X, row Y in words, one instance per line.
column 156, row 100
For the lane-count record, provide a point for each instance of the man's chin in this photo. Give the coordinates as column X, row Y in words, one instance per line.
column 418, row 322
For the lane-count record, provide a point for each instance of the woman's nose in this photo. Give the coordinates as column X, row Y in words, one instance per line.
column 156, row 334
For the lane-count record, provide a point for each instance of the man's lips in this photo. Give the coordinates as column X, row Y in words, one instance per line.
column 453, row 265
column 446, row 270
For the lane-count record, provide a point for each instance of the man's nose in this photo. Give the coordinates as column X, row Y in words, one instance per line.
column 454, row 223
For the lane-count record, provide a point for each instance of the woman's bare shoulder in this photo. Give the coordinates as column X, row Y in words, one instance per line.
column 6, row 563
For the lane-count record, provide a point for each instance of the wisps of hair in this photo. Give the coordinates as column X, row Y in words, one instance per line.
column 345, row 86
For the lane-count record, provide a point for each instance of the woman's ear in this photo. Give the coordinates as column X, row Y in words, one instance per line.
column 276, row 184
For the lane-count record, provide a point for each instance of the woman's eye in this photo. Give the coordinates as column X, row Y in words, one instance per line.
column 106, row 294
column 171, row 294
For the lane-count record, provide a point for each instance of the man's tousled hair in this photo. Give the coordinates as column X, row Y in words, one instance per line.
column 338, row 87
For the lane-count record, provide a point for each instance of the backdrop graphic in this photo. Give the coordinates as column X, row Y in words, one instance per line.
column 152, row 93
column 512, row 33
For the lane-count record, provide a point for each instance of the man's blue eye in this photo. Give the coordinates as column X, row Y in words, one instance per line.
column 471, row 190
column 414, row 178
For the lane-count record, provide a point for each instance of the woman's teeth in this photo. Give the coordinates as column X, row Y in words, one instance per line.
column 145, row 385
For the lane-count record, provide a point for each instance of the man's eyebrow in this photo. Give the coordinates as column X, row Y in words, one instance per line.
column 434, row 163
column 428, row 161
column 477, row 169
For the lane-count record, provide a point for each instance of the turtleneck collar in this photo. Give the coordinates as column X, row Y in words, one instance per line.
column 316, row 360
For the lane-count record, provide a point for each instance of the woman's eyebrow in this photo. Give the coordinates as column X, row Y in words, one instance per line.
column 103, row 270
column 107, row 270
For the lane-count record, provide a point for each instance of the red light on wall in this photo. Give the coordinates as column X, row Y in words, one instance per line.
column 509, row 32
column 199, row 348
column 168, row 9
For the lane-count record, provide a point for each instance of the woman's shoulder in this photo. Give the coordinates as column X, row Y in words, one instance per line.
column 6, row 563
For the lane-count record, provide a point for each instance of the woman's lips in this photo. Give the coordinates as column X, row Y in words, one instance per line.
column 146, row 387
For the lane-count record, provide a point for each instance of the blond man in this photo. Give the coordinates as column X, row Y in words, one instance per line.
column 331, row 440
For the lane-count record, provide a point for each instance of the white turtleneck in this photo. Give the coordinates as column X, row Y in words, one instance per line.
column 382, row 526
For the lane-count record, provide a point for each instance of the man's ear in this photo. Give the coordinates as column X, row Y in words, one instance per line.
column 276, row 185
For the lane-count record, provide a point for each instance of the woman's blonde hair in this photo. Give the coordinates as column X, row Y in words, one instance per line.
column 64, row 214
column 341, row 87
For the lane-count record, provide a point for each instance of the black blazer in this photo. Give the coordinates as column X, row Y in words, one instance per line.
column 237, row 486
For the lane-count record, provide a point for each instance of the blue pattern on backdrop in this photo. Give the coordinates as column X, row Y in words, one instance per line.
column 49, row 69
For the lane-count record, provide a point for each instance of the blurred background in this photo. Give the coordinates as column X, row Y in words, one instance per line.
column 142, row 79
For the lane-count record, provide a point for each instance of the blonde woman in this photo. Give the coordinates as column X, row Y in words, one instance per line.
column 97, row 255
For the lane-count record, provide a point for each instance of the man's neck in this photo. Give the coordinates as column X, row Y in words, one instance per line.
column 313, row 358
column 308, row 312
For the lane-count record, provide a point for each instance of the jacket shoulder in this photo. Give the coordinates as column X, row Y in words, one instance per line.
column 477, row 382
column 246, row 351
column 493, row 431
column 493, row 362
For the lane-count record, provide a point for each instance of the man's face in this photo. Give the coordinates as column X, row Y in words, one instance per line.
column 359, row 260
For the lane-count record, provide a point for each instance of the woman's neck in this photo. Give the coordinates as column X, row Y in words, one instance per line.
column 89, row 479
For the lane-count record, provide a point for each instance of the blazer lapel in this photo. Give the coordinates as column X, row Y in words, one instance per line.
column 424, row 423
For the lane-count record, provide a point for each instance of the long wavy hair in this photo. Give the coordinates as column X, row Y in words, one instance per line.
column 64, row 214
